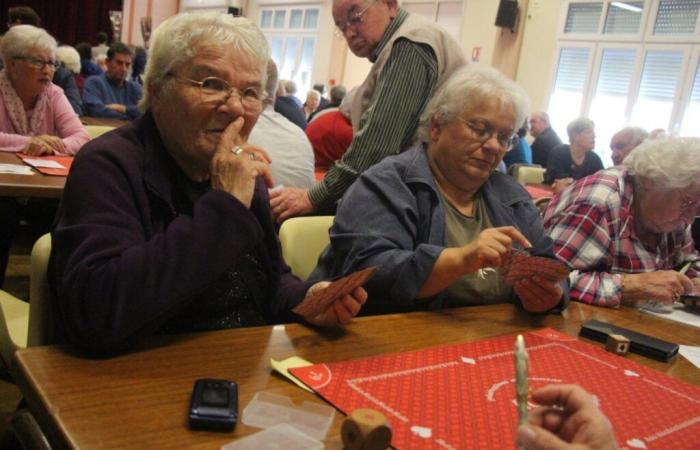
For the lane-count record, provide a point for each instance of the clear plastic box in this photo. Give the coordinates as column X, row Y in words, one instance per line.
column 279, row 437
column 267, row 410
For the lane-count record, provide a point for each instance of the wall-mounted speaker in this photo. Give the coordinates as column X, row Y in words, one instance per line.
column 235, row 11
column 507, row 14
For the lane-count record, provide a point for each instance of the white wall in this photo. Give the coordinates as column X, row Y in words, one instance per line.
column 133, row 10
column 537, row 53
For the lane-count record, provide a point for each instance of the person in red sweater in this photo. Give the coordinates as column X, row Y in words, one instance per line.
column 330, row 134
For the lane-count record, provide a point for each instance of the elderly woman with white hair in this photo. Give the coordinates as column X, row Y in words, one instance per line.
column 35, row 116
column 625, row 231
column 438, row 221
column 313, row 100
column 165, row 224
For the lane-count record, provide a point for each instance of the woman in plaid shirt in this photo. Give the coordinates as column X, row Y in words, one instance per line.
column 624, row 230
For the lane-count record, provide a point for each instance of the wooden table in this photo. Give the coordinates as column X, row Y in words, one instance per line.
column 140, row 400
column 105, row 121
column 36, row 185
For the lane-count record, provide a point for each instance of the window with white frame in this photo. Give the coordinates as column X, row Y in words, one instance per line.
column 292, row 32
column 627, row 63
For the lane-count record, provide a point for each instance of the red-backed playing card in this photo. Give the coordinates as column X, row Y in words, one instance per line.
column 521, row 264
column 317, row 302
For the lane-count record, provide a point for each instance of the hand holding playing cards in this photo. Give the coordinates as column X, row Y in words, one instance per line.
column 538, row 294
column 339, row 311
column 491, row 248
column 567, row 419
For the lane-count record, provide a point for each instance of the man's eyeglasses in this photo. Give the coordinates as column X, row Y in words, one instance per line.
column 38, row 63
column 215, row 90
column 483, row 131
column 354, row 20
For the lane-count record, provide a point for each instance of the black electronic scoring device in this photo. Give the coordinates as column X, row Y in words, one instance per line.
column 214, row 405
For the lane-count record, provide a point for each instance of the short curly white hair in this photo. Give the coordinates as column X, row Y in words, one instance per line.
column 21, row 39
column 468, row 88
column 178, row 39
column 672, row 163
column 69, row 57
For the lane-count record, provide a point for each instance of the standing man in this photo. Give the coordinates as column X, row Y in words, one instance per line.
column 111, row 94
column 411, row 57
column 624, row 141
column 545, row 138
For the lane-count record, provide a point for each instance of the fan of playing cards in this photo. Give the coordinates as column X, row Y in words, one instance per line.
column 521, row 264
column 317, row 302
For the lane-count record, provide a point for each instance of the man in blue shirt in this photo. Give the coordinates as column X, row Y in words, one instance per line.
column 111, row 94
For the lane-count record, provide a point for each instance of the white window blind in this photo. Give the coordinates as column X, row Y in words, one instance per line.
column 609, row 104
column 657, row 89
column 565, row 102
column 623, row 17
column 676, row 17
column 583, row 17
column 691, row 118
column 292, row 32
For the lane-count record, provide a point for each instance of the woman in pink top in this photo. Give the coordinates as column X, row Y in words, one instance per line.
column 35, row 116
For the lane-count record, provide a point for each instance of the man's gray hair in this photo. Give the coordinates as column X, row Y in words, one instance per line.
column 468, row 89
column 21, row 39
column 577, row 126
column 637, row 135
column 542, row 116
column 338, row 93
column 70, row 58
column 672, row 163
column 178, row 39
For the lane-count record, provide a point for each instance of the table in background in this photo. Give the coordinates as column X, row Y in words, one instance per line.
column 103, row 121
column 140, row 400
column 35, row 185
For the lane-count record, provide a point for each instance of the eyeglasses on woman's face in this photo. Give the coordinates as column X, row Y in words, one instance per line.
column 38, row 63
column 482, row 131
column 216, row 91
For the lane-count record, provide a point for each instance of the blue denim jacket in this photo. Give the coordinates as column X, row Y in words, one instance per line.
column 392, row 217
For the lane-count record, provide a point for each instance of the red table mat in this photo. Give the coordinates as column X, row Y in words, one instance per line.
column 65, row 161
column 463, row 396
column 539, row 192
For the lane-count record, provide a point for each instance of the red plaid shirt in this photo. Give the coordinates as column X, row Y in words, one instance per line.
column 592, row 226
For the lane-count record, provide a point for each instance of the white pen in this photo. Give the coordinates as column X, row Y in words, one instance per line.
column 521, row 389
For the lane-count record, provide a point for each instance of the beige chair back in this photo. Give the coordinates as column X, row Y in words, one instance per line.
column 21, row 325
column 39, row 292
column 97, row 130
column 303, row 239
column 530, row 175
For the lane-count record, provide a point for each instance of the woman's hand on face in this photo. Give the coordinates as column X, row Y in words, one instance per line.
column 236, row 173
column 538, row 294
column 44, row 145
column 664, row 286
column 341, row 310
column 491, row 247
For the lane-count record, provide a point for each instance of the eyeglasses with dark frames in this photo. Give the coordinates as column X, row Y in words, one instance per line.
column 38, row 63
column 217, row 91
column 483, row 131
column 354, row 20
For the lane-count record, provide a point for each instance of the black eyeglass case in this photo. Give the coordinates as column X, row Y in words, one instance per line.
column 641, row 344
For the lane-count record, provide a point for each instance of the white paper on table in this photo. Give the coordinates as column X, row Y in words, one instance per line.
column 48, row 163
column 679, row 314
column 690, row 353
column 16, row 169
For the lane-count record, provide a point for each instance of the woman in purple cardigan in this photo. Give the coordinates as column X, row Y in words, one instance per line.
column 35, row 118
